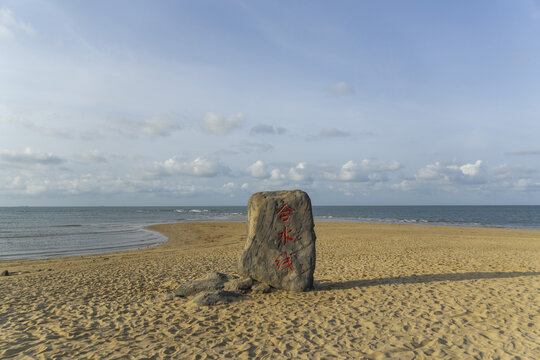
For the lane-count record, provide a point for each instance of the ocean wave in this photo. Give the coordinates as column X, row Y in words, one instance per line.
column 66, row 226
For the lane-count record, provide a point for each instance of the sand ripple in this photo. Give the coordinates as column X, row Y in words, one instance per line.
column 382, row 291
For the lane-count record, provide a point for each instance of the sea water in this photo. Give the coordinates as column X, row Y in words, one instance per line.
column 44, row 232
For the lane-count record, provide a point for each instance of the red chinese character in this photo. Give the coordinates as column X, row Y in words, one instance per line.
column 284, row 261
column 284, row 213
column 284, row 236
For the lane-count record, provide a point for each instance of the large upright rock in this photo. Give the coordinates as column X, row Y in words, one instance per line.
column 280, row 245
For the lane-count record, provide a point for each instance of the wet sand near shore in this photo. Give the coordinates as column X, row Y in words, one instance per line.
column 381, row 291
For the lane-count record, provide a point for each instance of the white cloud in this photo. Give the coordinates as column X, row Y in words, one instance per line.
column 183, row 190
column 220, row 125
column 156, row 127
column 333, row 133
column 471, row 169
column 505, row 172
column 276, row 175
column 526, row 184
column 29, row 157
column 431, row 172
column 229, row 188
column 258, row 170
column 268, row 130
column 366, row 170
column 62, row 185
column 8, row 23
column 93, row 157
column 329, row 133
column 5, row 33
column 299, row 173
column 249, row 147
column 54, row 132
column 201, row 167
column 470, row 178
column 381, row 167
column 35, row 189
column 344, row 188
column 350, row 171
column 101, row 183
column 404, row 185
column 451, row 174
column 24, row 185
column 524, row 152
column 45, row 130
column 91, row 135
column 57, row 185
column 342, row 88
column 107, row 184
column 153, row 127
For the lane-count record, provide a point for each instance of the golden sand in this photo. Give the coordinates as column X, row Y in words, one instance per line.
column 381, row 291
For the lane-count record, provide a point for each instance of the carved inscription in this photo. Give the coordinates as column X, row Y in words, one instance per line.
column 284, row 260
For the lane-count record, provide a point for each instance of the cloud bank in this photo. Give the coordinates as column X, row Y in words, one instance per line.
column 267, row 130
column 9, row 25
column 28, row 157
column 199, row 167
column 221, row 125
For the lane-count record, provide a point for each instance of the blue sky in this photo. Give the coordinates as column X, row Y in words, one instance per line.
column 206, row 102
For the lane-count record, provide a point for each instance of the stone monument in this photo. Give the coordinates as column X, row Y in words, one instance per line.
column 280, row 244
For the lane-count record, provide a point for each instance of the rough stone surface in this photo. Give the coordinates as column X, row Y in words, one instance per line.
column 261, row 288
column 280, row 244
column 217, row 276
column 215, row 288
column 210, row 298
column 212, row 281
column 241, row 285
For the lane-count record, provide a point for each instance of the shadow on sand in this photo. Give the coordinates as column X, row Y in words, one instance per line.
column 324, row 285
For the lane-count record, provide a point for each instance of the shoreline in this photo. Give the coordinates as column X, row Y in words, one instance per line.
column 381, row 291
column 427, row 223
column 149, row 228
column 35, row 233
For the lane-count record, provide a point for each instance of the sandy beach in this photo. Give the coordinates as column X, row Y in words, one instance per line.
column 381, row 291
